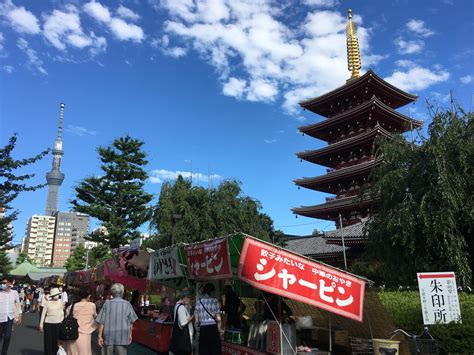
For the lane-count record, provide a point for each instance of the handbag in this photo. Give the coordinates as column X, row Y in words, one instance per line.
column 69, row 328
column 180, row 340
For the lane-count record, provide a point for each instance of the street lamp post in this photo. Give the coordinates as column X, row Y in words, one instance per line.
column 173, row 221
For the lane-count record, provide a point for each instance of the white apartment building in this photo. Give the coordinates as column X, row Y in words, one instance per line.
column 40, row 239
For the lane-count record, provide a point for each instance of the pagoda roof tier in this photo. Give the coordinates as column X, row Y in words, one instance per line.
column 323, row 182
column 352, row 234
column 363, row 87
column 331, row 209
column 374, row 106
column 321, row 156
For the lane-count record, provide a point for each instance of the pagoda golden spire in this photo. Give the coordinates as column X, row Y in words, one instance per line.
column 353, row 52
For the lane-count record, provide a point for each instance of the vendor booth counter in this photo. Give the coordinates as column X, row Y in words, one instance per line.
column 154, row 335
column 235, row 349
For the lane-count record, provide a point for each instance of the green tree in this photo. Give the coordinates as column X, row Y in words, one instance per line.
column 117, row 197
column 11, row 185
column 188, row 214
column 77, row 260
column 22, row 257
column 424, row 216
column 5, row 263
column 99, row 254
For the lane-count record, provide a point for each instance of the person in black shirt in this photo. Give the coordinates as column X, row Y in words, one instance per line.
column 233, row 307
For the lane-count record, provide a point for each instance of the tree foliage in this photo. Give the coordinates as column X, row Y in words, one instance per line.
column 424, row 216
column 11, row 185
column 5, row 263
column 79, row 258
column 189, row 214
column 116, row 198
column 22, row 257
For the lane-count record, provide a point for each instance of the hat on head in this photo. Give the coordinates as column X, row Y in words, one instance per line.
column 54, row 292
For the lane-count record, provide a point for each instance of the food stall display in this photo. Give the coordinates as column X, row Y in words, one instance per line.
column 254, row 268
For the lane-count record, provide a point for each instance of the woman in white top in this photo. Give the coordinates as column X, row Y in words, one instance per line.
column 179, row 340
column 51, row 318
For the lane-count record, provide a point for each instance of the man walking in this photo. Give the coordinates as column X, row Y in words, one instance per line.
column 10, row 310
column 116, row 320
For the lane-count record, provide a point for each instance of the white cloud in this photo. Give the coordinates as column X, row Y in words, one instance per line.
column 418, row 27
column 33, row 60
column 409, row 47
column 63, row 28
column 126, row 31
column 8, row 69
column 416, row 77
column 248, row 40
column 234, row 87
column 261, row 90
column 80, row 131
column 162, row 175
column 22, row 20
column 2, row 41
column 321, row 3
column 270, row 141
column 121, row 29
column 466, row 79
column 97, row 11
column 127, row 14
column 163, row 45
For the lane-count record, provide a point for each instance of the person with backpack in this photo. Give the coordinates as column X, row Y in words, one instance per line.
column 51, row 318
column 85, row 313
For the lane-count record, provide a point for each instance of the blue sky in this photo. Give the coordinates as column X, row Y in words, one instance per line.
column 214, row 82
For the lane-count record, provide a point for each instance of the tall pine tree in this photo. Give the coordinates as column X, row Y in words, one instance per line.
column 117, row 197
column 11, row 185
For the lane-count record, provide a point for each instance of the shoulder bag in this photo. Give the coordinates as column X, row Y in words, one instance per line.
column 180, row 340
column 210, row 315
column 69, row 328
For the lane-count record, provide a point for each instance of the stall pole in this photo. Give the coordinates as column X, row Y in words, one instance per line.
column 330, row 335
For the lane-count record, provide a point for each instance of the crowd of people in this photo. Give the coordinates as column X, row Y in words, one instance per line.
column 113, row 322
column 112, row 317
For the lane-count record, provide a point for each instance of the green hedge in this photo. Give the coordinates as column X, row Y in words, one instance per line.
column 404, row 309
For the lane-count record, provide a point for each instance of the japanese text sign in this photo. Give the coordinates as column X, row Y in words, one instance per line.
column 164, row 264
column 439, row 297
column 209, row 260
column 286, row 274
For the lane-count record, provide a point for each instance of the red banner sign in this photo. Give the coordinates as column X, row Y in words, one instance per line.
column 280, row 272
column 209, row 260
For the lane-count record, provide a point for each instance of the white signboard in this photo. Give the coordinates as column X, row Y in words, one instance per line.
column 164, row 264
column 439, row 297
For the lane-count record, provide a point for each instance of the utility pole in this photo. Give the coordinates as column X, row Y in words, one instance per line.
column 87, row 259
column 173, row 223
column 343, row 243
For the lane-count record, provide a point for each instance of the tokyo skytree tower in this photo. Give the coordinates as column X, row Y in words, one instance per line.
column 55, row 177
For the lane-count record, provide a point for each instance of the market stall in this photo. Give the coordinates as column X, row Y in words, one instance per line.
column 165, row 274
column 266, row 273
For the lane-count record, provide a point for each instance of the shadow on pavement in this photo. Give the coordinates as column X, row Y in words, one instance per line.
column 31, row 352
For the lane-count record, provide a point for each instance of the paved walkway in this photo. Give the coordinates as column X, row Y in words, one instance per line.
column 27, row 340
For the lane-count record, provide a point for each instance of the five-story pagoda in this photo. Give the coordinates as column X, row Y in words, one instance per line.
column 356, row 114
